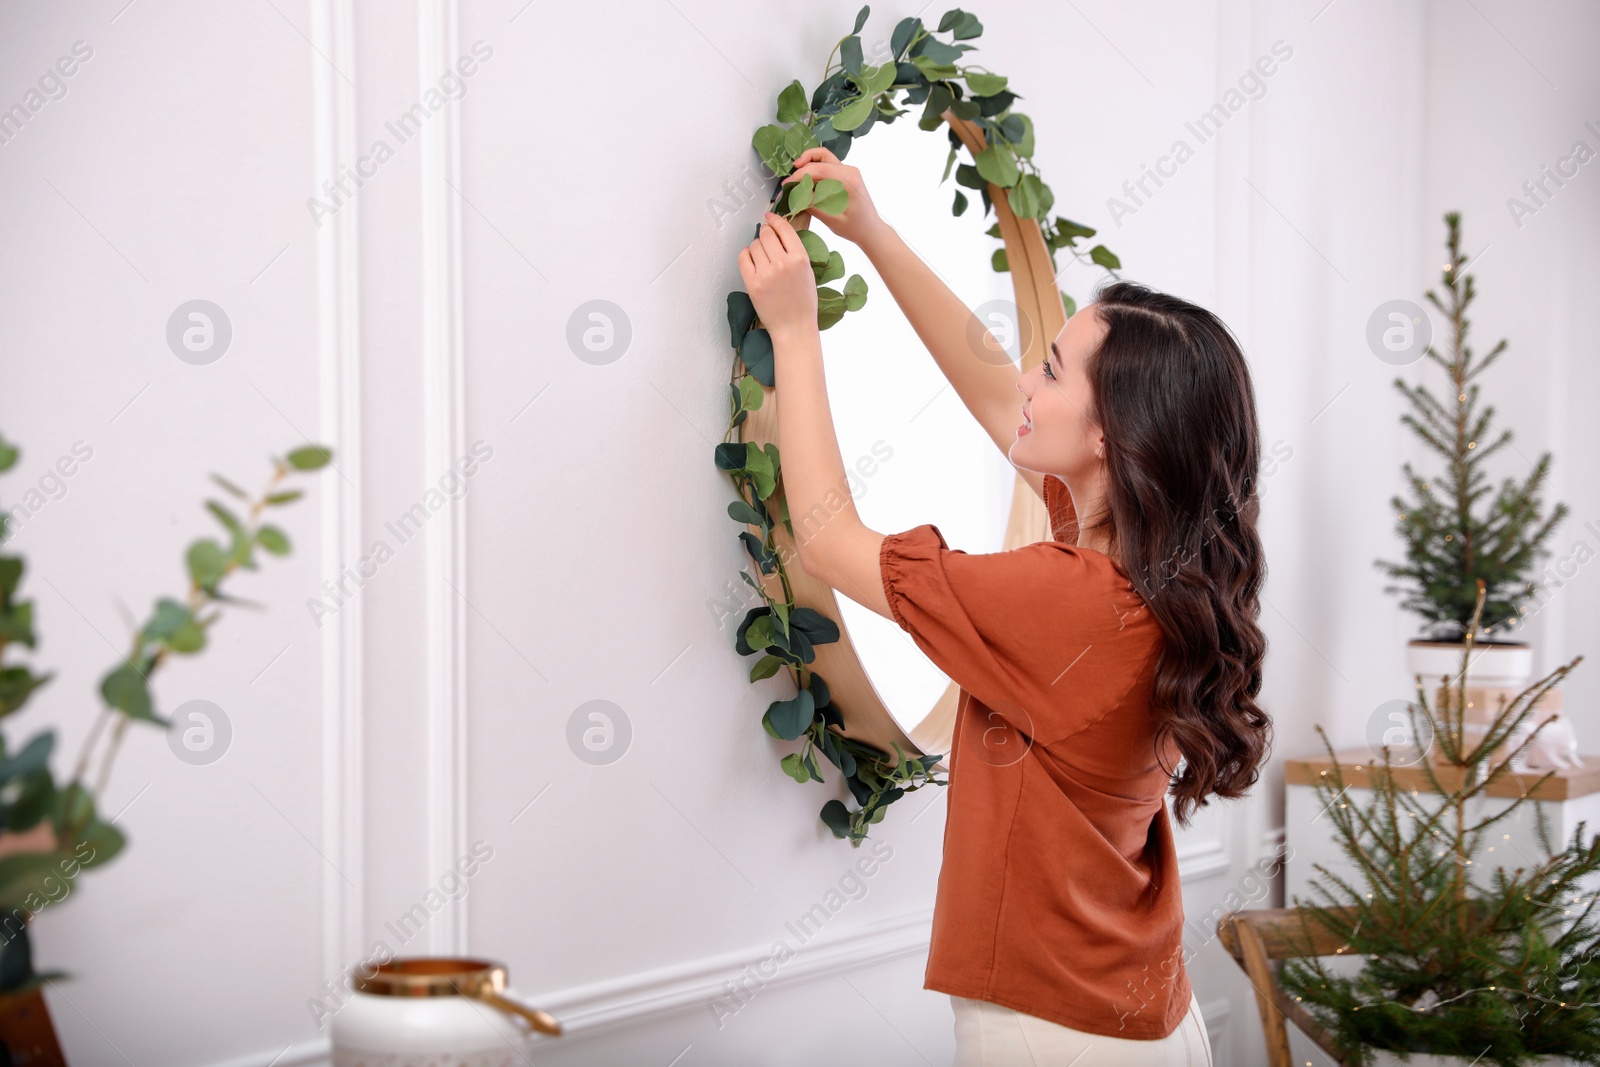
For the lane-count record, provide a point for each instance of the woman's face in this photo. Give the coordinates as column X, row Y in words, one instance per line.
column 1057, row 436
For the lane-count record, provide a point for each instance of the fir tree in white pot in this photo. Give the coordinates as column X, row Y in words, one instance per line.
column 1458, row 529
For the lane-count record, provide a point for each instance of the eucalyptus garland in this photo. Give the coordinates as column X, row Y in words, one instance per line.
column 852, row 97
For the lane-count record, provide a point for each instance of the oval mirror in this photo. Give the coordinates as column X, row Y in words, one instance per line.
column 913, row 452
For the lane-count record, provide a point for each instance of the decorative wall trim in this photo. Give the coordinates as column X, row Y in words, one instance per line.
column 627, row 1001
column 604, row 1007
column 444, row 434
column 1203, row 858
column 339, row 369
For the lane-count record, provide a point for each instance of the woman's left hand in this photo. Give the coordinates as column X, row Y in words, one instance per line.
column 777, row 275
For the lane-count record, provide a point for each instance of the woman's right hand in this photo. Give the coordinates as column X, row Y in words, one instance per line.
column 860, row 220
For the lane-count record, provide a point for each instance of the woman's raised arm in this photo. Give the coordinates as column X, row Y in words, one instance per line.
column 961, row 344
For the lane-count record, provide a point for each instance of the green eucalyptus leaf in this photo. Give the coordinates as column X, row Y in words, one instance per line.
column 287, row 496
column 756, row 354
column 167, row 619
column 16, row 622
column 226, row 517
column 934, row 71
column 990, row 106
column 794, row 767
column 26, row 876
column 230, row 487
column 904, row 30
column 960, row 204
column 963, row 25
column 830, row 197
column 792, row 717
column 836, row 817
column 967, row 175
column 1069, row 304
column 207, row 563
column 125, row 689
column 816, row 248
column 761, row 468
column 850, row 54
column 1104, row 257
column 768, row 142
column 983, row 83
column 310, row 458
column 8, row 455
column 792, row 102
column 30, row 759
column 861, row 18
column 104, row 841
column 1027, row 197
column 830, row 307
column 853, row 114
column 939, row 98
column 11, row 568
column 997, row 164
column 998, row 261
column 273, row 540
column 1070, row 230
column 741, row 313
column 874, row 80
column 766, row 667
column 936, row 51
column 796, row 140
column 34, row 800
column 855, row 292
column 16, row 685
column 800, row 193
column 751, row 395
column 188, row 638
column 1015, row 128
column 833, row 269
column 741, row 511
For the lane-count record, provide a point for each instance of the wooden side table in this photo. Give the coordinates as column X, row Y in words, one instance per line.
column 1568, row 798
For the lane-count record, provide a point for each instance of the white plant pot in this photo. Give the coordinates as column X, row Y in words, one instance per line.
column 1506, row 666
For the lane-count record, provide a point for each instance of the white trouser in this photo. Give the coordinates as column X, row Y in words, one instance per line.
column 990, row 1035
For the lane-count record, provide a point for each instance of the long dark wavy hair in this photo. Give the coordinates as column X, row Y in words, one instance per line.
column 1173, row 397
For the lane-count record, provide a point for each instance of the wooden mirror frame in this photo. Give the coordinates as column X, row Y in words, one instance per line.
column 866, row 717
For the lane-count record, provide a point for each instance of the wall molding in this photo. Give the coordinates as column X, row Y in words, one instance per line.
column 444, row 442
column 339, row 385
column 620, row 1002
column 632, row 1000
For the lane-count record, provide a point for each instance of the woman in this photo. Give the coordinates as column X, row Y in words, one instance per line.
column 1090, row 665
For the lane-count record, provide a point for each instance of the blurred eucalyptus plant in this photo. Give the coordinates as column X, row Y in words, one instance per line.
column 52, row 831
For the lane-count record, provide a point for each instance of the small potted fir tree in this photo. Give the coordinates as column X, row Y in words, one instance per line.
column 1474, row 941
column 1451, row 542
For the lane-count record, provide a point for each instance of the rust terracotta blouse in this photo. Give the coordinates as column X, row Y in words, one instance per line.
column 1058, row 895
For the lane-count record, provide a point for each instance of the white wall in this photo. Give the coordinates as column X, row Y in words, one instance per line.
column 586, row 557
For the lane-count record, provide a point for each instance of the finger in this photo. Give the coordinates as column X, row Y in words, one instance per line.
column 771, row 243
column 758, row 252
column 785, row 232
column 816, row 153
column 818, row 171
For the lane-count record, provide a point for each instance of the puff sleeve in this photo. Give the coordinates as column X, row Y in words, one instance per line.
column 1005, row 626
